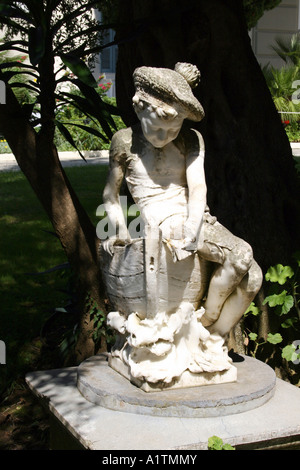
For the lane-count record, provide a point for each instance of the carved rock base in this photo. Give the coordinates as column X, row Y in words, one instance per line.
column 186, row 380
column 169, row 350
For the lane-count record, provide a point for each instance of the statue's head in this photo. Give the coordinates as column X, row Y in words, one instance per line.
column 168, row 92
column 163, row 99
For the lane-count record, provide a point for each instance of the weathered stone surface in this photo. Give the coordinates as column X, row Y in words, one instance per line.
column 274, row 424
column 103, row 386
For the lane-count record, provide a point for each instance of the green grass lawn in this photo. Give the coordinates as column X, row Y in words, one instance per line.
column 26, row 246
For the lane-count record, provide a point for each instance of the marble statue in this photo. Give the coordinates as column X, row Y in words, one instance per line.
column 177, row 291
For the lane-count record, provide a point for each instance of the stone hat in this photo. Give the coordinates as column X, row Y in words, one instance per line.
column 170, row 86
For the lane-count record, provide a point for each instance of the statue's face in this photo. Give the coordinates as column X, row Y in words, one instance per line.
column 158, row 131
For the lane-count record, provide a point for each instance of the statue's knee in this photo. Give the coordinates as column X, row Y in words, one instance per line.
column 242, row 258
column 255, row 279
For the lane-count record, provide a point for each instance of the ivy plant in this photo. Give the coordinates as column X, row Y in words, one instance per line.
column 283, row 300
column 216, row 443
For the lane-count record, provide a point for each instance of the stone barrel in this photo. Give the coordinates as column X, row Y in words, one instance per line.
column 125, row 278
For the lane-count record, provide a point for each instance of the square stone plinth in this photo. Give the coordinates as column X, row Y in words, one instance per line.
column 76, row 423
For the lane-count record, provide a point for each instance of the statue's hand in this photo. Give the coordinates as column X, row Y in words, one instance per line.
column 109, row 244
column 186, row 231
column 189, row 244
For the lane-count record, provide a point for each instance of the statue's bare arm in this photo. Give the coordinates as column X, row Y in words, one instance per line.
column 196, row 189
column 111, row 200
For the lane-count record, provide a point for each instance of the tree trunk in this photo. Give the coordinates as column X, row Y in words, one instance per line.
column 39, row 161
column 252, row 184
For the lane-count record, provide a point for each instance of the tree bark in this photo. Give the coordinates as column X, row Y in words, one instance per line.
column 252, row 184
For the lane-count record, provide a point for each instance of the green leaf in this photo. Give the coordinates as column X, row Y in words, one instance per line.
column 215, row 443
column 253, row 336
column 91, row 130
column 274, row 339
column 275, row 299
column 92, row 105
column 288, row 304
column 36, row 47
column 290, row 322
column 279, row 273
column 288, row 353
column 79, row 68
column 68, row 136
column 252, row 309
column 286, row 301
column 228, row 447
column 100, row 108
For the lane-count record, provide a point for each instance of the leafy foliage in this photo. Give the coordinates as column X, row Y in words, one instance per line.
column 17, row 77
column 78, row 130
column 291, row 353
column 98, row 317
column 64, row 32
column 288, row 49
column 216, row 443
column 283, row 301
column 284, row 84
column 252, row 309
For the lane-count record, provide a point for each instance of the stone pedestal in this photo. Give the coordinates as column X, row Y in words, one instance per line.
column 257, row 412
column 103, row 386
column 186, row 380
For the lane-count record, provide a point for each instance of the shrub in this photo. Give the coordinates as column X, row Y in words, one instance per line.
column 83, row 132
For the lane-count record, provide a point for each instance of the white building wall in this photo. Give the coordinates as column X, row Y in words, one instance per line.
column 283, row 21
column 106, row 62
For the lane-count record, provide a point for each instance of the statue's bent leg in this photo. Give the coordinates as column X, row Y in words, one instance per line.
column 225, row 278
column 238, row 302
column 236, row 278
